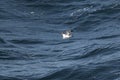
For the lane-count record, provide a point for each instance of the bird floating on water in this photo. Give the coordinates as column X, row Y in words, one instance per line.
column 67, row 34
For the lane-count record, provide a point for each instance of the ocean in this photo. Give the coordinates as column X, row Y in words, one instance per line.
column 32, row 47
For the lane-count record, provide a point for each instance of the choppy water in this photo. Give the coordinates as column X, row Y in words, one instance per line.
column 32, row 48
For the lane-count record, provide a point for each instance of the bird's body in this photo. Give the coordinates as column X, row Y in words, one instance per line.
column 66, row 34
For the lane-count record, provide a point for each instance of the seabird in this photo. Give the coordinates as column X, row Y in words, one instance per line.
column 67, row 34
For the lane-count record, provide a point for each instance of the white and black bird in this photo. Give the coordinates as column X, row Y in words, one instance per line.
column 67, row 34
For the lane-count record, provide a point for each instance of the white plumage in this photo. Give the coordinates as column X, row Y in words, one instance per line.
column 66, row 34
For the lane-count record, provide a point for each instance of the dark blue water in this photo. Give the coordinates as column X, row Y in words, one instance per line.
column 32, row 48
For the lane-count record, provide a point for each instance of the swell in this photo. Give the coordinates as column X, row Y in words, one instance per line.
column 6, row 14
column 108, row 37
column 13, row 55
column 61, row 12
column 88, row 18
column 97, row 61
column 26, row 41
column 39, row 41
column 86, row 72
column 90, row 51
column 8, row 78
column 2, row 40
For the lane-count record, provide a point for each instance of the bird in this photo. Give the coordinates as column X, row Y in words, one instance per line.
column 66, row 34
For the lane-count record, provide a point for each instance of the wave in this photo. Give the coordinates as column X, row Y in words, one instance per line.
column 87, row 72
column 13, row 55
column 8, row 78
column 2, row 41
